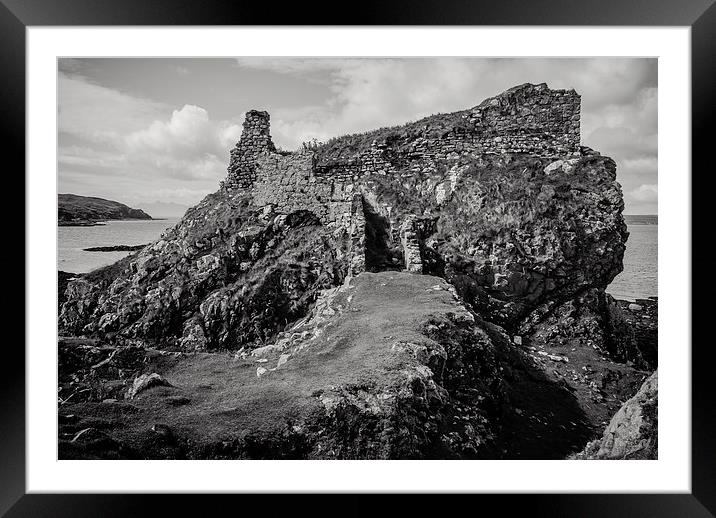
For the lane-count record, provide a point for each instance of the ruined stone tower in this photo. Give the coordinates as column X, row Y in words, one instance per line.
column 255, row 140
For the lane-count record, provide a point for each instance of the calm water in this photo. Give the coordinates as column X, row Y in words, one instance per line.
column 71, row 240
column 638, row 280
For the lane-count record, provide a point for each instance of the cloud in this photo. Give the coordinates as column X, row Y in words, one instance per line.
column 134, row 190
column 297, row 65
column 183, row 196
column 645, row 193
column 122, row 135
column 188, row 132
column 84, row 156
column 126, row 135
column 618, row 94
column 70, row 65
column 98, row 113
column 623, row 141
column 129, row 148
column 189, row 145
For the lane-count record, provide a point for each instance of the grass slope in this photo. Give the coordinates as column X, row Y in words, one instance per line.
column 216, row 399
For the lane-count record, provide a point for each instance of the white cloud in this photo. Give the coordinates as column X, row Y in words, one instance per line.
column 188, row 132
column 131, row 136
column 618, row 95
column 645, row 193
column 189, row 145
column 128, row 136
column 101, row 114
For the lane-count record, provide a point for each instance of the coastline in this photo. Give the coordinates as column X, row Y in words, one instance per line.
column 114, row 248
column 98, row 222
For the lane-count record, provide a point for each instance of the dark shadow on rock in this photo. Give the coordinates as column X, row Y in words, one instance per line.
column 541, row 418
column 379, row 255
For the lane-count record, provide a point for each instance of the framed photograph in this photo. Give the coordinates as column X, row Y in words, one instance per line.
column 390, row 257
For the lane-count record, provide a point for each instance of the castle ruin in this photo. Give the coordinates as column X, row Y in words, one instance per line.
column 527, row 119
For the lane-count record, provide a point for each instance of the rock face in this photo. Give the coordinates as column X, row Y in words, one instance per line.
column 511, row 237
column 632, row 432
column 508, row 208
column 221, row 278
column 514, row 227
column 74, row 208
column 595, row 320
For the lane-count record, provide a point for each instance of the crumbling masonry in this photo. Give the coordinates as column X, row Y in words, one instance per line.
column 527, row 119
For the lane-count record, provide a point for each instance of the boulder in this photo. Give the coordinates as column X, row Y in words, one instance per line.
column 633, row 431
column 144, row 382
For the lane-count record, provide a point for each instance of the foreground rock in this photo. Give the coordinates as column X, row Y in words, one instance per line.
column 63, row 278
column 144, row 382
column 221, row 278
column 591, row 345
column 632, row 433
column 390, row 366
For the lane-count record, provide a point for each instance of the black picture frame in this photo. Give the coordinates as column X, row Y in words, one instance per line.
column 700, row 15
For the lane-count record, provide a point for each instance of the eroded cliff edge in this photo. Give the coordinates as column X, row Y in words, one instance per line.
column 498, row 203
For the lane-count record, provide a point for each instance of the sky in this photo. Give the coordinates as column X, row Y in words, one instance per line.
column 156, row 133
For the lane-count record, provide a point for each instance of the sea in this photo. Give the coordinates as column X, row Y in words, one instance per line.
column 637, row 281
column 71, row 242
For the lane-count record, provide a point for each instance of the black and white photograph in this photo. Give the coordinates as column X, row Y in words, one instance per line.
column 357, row 258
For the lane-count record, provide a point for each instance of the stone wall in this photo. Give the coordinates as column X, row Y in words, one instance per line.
column 255, row 141
column 528, row 119
column 413, row 233
column 287, row 183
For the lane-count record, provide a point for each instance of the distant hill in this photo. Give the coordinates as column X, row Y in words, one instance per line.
column 74, row 209
column 163, row 209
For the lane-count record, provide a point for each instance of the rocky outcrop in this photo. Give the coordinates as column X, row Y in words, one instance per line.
column 63, row 279
column 579, row 344
column 511, row 236
column 293, row 271
column 523, row 213
column 633, row 431
column 511, row 231
column 221, row 278
column 144, row 382
column 624, row 332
